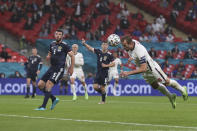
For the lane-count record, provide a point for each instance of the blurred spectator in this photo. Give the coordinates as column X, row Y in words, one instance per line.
column 175, row 50
column 102, row 29
column 156, row 26
column 125, row 12
column 143, row 38
column 194, row 74
column 97, row 35
column 103, row 7
column 53, row 19
column 65, row 29
column 86, row 3
column 2, row 75
column 178, row 74
column 168, row 30
column 161, row 20
column 22, row 42
column 106, row 22
column 162, row 37
column 153, row 37
column 189, row 38
column 179, row 5
column 152, row 52
column 17, row 74
column 78, row 10
column 4, row 54
column 163, row 3
column 165, row 64
column 174, row 14
column 148, row 28
column 124, row 23
column 191, row 15
column 193, row 49
column 47, row 4
column 3, row 8
column 189, row 54
column 118, row 31
column 14, row 18
column 169, row 55
column 44, row 33
column 137, row 32
column 69, row 3
column 170, row 38
column 122, row 4
column 181, row 66
column 138, row 15
column 35, row 18
column 29, row 24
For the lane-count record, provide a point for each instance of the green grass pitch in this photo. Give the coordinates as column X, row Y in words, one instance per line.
column 118, row 114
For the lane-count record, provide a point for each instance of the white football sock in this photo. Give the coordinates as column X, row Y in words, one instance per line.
column 73, row 89
column 176, row 85
column 164, row 90
column 85, row 87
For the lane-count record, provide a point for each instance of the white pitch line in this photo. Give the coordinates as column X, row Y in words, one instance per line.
column 98, row 121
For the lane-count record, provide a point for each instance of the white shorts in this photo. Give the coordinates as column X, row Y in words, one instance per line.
column 113, row 75
column 155, row 73
column 78, row 73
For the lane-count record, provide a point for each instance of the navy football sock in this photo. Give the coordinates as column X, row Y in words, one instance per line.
column 28, row 90
column 52, row 97
column 103, row 97
column 34, row 90
column 46, row 98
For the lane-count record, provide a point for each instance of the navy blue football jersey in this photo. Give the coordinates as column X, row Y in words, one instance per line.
column 33, row 63
column 105, row 58
column 59, row 53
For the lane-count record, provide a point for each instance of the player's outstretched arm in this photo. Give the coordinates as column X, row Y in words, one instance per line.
column 48, row 56
column 87, row 46
column 143, row 68
column 71, row 54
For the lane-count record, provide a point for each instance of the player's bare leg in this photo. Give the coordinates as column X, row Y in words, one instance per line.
column 28, row 87
column 72, row 84
column 162, row 88
column 85, row 88
column 178, row 87
column 96, row 88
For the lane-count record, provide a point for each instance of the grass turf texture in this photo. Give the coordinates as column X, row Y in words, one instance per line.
column 119, row 113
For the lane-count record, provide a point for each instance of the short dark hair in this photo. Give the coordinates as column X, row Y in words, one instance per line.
column 59, row 30
column 127, row 38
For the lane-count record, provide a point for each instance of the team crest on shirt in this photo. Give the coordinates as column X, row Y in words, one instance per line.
column 59, row 48
column 105, row 58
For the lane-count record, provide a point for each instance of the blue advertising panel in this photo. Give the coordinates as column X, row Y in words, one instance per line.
column 128, row 87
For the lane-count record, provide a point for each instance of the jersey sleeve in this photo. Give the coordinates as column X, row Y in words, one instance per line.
column 67, row 48
column 141, row 55
column 119, row 62
column 111, row 58
column 97, row 51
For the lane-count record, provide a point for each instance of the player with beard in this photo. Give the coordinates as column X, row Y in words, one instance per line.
column 57, row 54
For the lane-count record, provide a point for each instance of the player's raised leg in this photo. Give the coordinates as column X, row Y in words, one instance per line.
column 115, row 86
column 162, row 88
column 178, row 87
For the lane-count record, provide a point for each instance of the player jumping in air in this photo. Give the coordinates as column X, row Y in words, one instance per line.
column 33, row 67
column 57, row 54
column 78, row 71
column 104, row 61
column 152, row 72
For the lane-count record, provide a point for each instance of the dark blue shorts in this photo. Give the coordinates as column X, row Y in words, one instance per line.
column 32, row 75
column 101, row 78
column 54, row 74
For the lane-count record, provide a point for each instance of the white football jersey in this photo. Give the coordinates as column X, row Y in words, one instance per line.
column 140, row 55
column 79, row 61
column 117, row 62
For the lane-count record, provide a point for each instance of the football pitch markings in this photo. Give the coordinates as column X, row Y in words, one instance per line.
column 95, row 121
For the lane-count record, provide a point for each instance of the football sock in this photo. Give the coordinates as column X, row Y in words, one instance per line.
column 52, row 97
column 73, row 89
column 176, row 85
column 85, row 87
column 115, row 85
column 103, row 96
column 34, row 90
column 164, row 90
column 28, row 90
column 46, row 98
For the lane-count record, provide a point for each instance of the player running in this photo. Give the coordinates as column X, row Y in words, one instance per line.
column 104, row 61
column 113, row 71
column 33, row 67
column 57, row 54
column 78, row 71
column 152, row 72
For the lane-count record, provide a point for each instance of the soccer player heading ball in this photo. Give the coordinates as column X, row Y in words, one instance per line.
column 152, row 72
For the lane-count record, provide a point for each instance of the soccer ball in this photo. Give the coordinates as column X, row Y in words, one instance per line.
column 113, row 40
